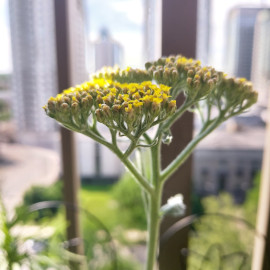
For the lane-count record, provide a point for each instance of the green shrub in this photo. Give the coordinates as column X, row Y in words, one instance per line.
column 39, row 194
column 128, row 195
column 217, row 236
column 4, row 111
column 252, row 198
column 196, row 204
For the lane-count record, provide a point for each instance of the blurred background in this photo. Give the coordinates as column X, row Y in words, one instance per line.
column 232, row 35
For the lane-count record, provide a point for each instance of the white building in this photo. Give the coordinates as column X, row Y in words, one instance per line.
column 228, row 159
column 240, row 33
column 34, row 77
column 260, row 72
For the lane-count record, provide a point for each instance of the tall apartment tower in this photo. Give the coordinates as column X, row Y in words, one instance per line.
column 34, row 60
column 260, row 73
column 204, row 35
column 34, row 77
column 240, row 32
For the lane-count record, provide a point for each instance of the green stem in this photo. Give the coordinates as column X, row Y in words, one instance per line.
column 141, row 168
column 129, row 165
column 153, row 215
column 153, row 230
column 137, row 175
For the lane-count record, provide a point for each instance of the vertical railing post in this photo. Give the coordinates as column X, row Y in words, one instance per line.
column 261, row 250
column 179, row 20
column 70, row 173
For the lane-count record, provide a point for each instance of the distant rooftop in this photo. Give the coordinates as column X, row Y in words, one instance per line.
column 239, row 133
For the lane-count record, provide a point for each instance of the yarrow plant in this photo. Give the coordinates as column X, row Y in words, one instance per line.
column 132, row 102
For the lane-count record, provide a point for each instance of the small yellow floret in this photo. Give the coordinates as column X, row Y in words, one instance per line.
column 129, row 108
column 241, row 80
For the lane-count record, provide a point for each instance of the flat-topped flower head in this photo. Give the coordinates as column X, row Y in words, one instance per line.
column 132, row 100
column 126, row 107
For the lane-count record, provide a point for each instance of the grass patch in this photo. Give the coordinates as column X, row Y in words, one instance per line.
column 98, row 201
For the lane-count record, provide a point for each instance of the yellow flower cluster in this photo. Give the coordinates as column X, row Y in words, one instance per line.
column 184, row 73
column 127, row 101
column 233, row 95
column 125, row 107
column 128, row 75
column 181, row 73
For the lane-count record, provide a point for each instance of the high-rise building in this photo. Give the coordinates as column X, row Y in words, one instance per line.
column 240, row 32
column 204, row 35
column 77, row 42
column 34, row 77
column 260, row 73
column 107, row 52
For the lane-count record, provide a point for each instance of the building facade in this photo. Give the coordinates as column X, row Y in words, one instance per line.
column 34, row 77
column 240, row 33
column 260, row 72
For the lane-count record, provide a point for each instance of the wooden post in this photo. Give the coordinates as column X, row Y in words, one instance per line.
column 261, row 251
column 70, row 174
column 179, row 21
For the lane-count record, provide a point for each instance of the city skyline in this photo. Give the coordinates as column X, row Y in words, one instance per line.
column 219, row 11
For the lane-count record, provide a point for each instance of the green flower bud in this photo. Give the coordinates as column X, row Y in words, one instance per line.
column 64, row 107
column 171, row 107
column 67, row 100
column 100, row 116
column 106, row 110
column 75, row 108
column 51, row 106
column 155, row 108
column 99, row 99
column 157, row 75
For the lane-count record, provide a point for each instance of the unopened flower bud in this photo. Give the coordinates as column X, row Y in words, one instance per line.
column 99, row 115
column 51, row 105
column 85, row 104
column 75, row 107
column 124, row 105
column 78, row 96
column 99, row 99
column 171, row 107
column 189, row 81
column 157, row 75
column 106, row 109
column 175, row 75
column 64, row 107
column 148, row 65
column 116, row 108
column 166, row 74
column 197, row 83
column 90, row 100
column 190, row 73
column 67, row 100
column 161, row 61
column 155, row 108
